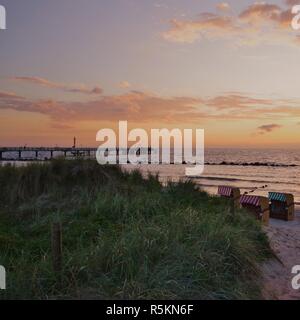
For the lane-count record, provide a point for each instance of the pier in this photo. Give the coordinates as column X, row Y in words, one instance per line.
column 48, row 153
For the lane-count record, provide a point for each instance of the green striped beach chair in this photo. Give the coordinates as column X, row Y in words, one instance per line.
column 282, row 206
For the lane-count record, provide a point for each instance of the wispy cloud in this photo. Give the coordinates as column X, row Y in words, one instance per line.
column 133, row 106
column 267, row 128
column 291, row 2
column 207, row 25
column 237, row 102
column 258, row 23
column 223, row 6
column 142, row 107
column 124, row 85
column 9, row 96
column 61, row 86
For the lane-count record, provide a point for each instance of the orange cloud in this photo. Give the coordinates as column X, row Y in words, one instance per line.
column 210, row 25
column 223, row 6
column 141, row 107
column 124, row 85
column 263, row 13
column 9, row 95
column 260, row 11
column 54, row 85
column 235, row 101
column 134, row 106
column 258, row 23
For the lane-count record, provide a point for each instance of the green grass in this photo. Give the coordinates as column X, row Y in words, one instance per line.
column 124, row 237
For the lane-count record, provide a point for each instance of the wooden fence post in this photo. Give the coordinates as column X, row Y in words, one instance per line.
column 232, row 207
column 56, row 244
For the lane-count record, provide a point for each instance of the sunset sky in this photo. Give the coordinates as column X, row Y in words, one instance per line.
column 72, row 67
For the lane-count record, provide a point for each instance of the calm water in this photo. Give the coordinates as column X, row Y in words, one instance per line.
column 277, row 178
column 284, row 177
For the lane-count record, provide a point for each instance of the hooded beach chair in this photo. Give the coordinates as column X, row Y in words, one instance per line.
column 282, row 206
column 230, row 193
column 258, row 206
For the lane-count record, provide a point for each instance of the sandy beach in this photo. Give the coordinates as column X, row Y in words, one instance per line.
column 285, row 242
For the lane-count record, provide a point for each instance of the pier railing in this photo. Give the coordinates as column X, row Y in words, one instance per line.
column 46, row 153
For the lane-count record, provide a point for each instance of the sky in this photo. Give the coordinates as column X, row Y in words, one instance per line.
column 72, row 67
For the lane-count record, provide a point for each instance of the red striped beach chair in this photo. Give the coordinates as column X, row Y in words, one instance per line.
column 282, row 206
column 257, row 206
column 231, row 193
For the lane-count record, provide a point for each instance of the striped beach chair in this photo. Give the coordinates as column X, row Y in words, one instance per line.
column 282, row 206
column 231, row 193
column 258, row 206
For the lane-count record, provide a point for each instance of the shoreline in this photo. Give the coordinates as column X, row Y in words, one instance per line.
column 172, row 178
column 259, row 187
column 284, row 239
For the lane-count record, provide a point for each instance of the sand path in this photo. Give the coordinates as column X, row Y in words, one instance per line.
column 285, row 241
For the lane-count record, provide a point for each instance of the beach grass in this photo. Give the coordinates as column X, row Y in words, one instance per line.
column 124, row 236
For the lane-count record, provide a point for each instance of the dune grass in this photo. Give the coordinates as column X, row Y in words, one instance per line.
column 124, row 237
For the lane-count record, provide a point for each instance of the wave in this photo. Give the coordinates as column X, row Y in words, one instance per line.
column 242, row 180
column 206, row 185
column 251, row 164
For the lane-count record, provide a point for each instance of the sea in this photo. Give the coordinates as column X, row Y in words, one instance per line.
column 255, row 171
